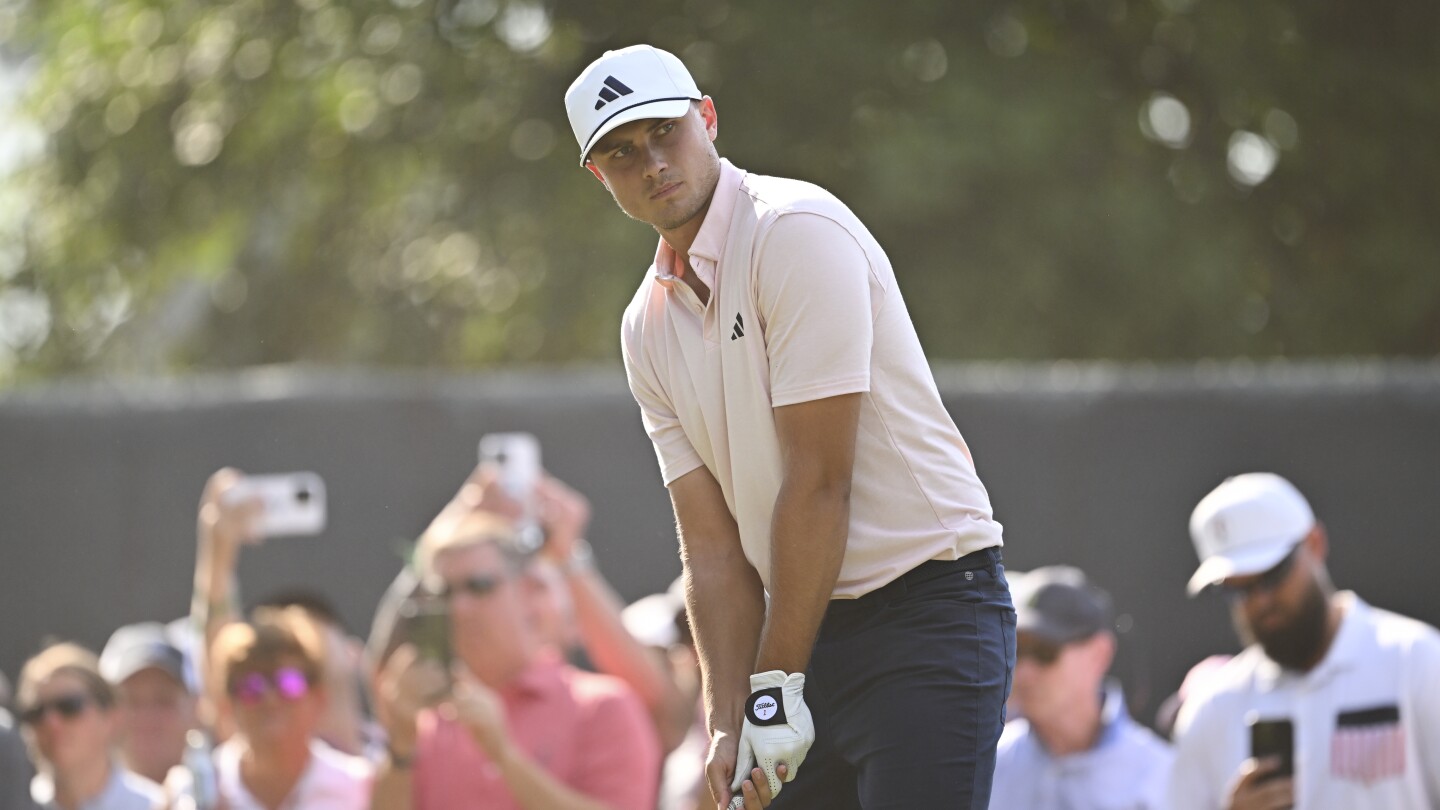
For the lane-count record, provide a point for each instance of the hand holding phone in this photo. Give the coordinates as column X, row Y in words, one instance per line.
column 290, row 503
column 515, row 457
column 1273, row 738
column 425, row 623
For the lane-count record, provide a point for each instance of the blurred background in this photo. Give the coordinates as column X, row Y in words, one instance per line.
column 1146, row 243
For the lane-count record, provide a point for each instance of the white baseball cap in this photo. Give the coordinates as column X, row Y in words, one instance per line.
column 627, row 85
column 1246, row 526
column 655, row 620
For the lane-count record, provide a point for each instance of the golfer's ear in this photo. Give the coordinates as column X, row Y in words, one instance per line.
column 591, row 166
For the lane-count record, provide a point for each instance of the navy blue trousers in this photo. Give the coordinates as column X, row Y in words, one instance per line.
column 907, row 686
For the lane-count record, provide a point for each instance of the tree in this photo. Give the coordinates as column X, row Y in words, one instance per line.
column 394, row 181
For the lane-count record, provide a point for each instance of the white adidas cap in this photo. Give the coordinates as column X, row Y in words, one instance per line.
column 627, row 85
column 1246, row 526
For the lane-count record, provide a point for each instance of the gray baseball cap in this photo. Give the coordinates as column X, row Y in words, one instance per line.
column 1059, row 604
column 141, row 646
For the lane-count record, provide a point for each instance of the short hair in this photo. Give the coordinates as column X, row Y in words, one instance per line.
column 68, row 659
column 317, row 604
column 271, row 636
column 452, row 533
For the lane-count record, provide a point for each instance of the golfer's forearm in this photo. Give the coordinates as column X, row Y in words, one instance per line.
column 727, row 609
column 807, row 546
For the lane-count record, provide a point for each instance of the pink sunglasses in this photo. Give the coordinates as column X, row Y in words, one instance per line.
column 287, row 682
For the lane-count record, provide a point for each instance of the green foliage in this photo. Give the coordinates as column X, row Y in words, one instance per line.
column 394, row 181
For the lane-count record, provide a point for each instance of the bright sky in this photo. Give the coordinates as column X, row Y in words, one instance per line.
column 18, row 138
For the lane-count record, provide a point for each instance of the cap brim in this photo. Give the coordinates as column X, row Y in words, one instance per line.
column 1237, row 564
column 1032, row 623
column 659, row 108
column 121, row 669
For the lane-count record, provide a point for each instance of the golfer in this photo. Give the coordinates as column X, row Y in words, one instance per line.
column 808, row 457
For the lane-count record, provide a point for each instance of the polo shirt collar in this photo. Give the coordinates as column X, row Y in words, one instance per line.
column 710, row 240
column 539, row 678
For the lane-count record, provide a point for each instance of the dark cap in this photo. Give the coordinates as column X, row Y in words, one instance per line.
column 1057, row 603
column 140, row 646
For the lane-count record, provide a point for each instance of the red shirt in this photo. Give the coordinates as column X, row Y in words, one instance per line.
column 589, row 731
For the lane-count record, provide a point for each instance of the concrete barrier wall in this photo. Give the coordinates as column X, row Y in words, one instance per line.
column 1096, row 466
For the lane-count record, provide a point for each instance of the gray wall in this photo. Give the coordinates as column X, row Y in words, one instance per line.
column 1096, row 466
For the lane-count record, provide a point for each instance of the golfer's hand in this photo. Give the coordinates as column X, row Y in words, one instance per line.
column 778, row 729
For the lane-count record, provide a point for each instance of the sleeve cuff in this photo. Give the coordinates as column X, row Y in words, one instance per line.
column 822, row 390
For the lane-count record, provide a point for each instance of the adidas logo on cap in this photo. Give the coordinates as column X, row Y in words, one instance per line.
column 613, row 89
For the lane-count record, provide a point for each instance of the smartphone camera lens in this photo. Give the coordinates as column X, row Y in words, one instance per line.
column 302, row 495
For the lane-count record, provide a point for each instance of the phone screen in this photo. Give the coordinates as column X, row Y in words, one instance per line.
column 1274, row 738
column 426, row 622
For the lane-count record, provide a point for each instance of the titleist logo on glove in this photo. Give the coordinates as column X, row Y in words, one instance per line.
column 777, row 729
column 766, row 707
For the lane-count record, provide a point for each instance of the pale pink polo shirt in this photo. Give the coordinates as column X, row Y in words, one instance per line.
column 589, row 731
column 803, row 306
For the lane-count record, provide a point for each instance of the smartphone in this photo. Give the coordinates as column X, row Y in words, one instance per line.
column 425, row 623
column 291, row 504
column 1273, row 737
column 516, row 459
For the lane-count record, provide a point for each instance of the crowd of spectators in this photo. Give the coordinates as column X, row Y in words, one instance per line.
column 544, row 691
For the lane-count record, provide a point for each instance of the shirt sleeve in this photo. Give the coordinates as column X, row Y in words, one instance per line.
column 1191, row 787
column 817, row 299
column 1424, row 674
column 620, row 753
column 672, row 447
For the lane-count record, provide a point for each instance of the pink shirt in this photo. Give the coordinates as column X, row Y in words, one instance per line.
column 589, row 731
column 803, row 305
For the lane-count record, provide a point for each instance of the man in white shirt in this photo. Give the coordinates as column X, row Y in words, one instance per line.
column 1076, row 747
column 1356, row 684
column 808, row 457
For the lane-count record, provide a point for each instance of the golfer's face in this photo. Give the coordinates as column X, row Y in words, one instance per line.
column 661, row 170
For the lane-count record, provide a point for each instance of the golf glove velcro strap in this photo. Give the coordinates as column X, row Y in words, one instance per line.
column 778, row 728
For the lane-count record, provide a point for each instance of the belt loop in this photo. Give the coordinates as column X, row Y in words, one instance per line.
column 995, row 562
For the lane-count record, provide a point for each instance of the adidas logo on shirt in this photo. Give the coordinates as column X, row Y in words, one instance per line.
column 739, row 330
column 612, row 90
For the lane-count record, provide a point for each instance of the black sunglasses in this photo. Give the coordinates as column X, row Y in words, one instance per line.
column 67, row 706
column 1266, row 582
column 474, row 586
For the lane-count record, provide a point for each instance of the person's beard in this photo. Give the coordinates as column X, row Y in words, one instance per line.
column 1297, row 644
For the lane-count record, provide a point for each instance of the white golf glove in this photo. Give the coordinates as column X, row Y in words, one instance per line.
column 777, row 729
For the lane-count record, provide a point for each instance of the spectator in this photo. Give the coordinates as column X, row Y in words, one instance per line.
column 224, row 529
column 1358, row 684
column 659, row 621
column 345, row 725
column 269, row 684
column 155, row 708
column 1194, row 681
column 578, row 605
column 68, row 711
column 15, row 771
column 518, row 727
column 1076, row 746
